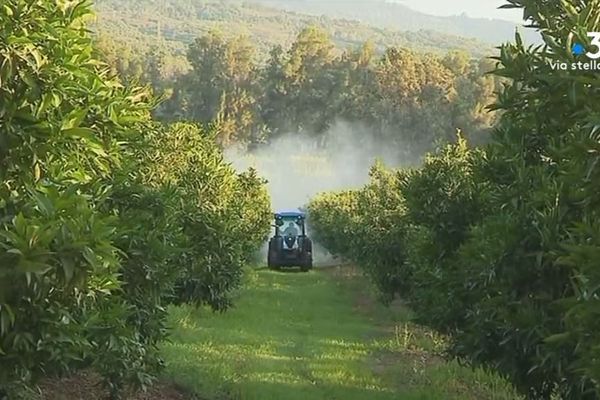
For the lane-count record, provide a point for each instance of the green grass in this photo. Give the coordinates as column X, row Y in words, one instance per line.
column 317, row 335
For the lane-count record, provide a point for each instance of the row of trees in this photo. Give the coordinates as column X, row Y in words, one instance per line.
column 106, row 216
column 409, row 100
column 500, row 247
column 156, row 65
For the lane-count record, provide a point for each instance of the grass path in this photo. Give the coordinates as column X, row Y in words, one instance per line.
column 317, row 335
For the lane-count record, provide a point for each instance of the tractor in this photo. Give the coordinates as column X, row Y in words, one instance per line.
column 290, row 246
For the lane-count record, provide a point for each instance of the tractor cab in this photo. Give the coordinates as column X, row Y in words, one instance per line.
column 290, row 245
column 290, row 226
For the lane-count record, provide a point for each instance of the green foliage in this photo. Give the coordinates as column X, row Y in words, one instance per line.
column 409, row 101
column 367, row 226
column 253, row 86
column 405, row 215
column 443, row 198
column 63, row 131
column 156, row 64
column 445, row 194
column 502, row 245
column 296, row 73
column 223, row 216
column 219, row 88
column 393, row 15
column 91, row 237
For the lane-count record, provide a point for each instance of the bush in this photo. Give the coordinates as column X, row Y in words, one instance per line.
column 366, row 226
column 443, row 198
column 223, row 216
column 64, row 129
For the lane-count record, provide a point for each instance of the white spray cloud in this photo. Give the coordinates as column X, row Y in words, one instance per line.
column 299, row 166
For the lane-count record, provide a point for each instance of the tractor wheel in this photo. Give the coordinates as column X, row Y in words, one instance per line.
column 272, row 262
column 272, row 256
column 307, row 265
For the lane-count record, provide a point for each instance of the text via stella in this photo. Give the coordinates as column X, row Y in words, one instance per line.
column 578, row 49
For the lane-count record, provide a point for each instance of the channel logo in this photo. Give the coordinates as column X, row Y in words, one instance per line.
column 579, row 49
column 587, row 56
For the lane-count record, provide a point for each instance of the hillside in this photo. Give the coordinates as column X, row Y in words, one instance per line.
column 178, row 22
column 397, row 16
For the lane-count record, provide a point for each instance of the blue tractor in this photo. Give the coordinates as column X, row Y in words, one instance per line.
column 290, row 246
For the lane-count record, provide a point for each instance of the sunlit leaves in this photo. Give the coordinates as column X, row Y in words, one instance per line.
column 58, row 150
column 224, row 216
column 367, row 226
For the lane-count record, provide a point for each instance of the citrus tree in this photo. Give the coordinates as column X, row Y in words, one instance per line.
column 94, row 241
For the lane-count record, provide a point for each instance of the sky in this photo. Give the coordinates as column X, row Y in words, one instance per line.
column 473, row 8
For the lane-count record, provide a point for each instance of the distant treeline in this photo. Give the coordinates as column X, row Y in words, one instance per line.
column 409, row 100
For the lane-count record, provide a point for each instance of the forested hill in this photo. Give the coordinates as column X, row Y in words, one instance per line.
column 178, row 22
column 398, row 16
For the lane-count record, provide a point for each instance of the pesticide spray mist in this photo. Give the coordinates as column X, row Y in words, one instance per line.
column 300, row 166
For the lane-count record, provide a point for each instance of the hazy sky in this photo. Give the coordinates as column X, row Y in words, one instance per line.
column 474, row 8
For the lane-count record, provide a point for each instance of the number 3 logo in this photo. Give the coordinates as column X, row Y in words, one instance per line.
column 595, row 42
